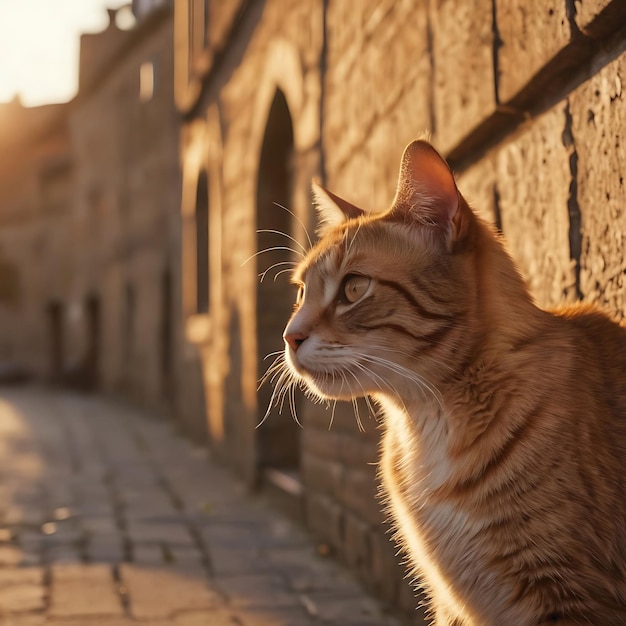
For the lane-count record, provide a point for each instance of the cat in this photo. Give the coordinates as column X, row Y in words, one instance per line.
column 504, row 425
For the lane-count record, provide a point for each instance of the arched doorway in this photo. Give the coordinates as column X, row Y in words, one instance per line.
column 56, row 358
column 279, row 436
column 92, row 354
column 202, row 244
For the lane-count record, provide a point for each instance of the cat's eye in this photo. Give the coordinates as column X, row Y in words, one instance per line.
column 300, row 295
column 354, row 287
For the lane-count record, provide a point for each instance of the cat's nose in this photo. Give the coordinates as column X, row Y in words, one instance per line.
column 295, row 340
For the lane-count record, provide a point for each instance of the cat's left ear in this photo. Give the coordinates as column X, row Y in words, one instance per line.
column 427, row 193
column 332, row 210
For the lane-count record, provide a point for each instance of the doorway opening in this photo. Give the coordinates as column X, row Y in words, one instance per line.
column 279, row 437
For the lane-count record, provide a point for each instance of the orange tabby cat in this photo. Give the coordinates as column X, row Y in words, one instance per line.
column 505, row 425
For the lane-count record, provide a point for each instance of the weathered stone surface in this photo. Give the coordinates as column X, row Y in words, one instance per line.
column 83, row 590
column 533, row 185
column 477, row 185
column 359, row 490
column 464, row 91
column 598, row 118
column 597, row 17
column 22, row 597
column 530, row 36
column 176, row 591
column 324, row 517
column 257, row 590
column 387, row 90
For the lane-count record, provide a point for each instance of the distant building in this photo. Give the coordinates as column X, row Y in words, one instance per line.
column 90, row 227
column 125, row 139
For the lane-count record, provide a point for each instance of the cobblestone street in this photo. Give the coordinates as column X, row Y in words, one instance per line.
column 108, row 518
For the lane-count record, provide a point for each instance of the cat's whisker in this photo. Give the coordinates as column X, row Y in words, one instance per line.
column 277, row 365
column 304, row 228
column 273, row 248
column 355, row 405
column 418, row 379
column 292, row 402
column 263, row 274
column 356, row 232
column 382, row 384
column 332, row 415
column 281, row 272
column 279, row 232
column 363, row 393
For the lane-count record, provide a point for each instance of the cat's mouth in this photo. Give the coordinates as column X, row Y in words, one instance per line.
column 329, row 384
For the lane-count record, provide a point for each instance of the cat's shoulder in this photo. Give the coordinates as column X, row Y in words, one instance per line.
column 600, row 343
column 592, row 320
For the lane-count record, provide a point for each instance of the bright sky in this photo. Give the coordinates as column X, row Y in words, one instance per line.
column 39, row 42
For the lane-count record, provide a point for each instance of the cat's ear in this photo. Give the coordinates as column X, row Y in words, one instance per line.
column 332, row 210
column 427, row 192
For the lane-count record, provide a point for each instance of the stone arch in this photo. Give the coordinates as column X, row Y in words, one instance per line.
column 193, row 166
column 279, row 438
column 282, row 73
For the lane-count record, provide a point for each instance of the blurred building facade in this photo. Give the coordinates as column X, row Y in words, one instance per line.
column 528, row 107
column 90, row 238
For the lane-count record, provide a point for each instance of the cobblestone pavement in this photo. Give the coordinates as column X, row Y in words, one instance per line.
column 107, row 518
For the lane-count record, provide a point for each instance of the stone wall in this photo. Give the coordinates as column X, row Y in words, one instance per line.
column 525, row 101
column 36, row 174
column 126, row 220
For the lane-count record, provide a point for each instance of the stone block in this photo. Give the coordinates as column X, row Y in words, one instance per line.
column 598, row 110
column 373, row 70
column 598, row 17
column 387, row 572
column 464, row 91
column 534, row 177
column 350, row 610
column 356, row 549
column 322, row 475
column 477, row 185
column 530, row 36
column 83, row 590
column 22, row 597
column 176, row 592
column 359, row 450
column 359, row 491
column 257, row 590
column 324, row 518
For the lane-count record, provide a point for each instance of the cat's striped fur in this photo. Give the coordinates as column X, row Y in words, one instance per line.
column 504, row 447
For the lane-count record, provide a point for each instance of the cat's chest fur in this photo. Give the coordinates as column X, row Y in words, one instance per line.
column 443, row 540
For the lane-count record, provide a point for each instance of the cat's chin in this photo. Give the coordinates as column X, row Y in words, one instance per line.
column 325, row 385
column 329, row 387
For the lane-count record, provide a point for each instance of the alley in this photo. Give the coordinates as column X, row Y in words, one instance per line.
column 108, row 518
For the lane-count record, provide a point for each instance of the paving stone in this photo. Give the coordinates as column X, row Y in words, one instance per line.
column 22, row 598
column 23, row 620
column 20, row 575
column 108, row 621
column 276, row 617
column 83, row 590
column 353, row 610
column 177, row 591
column 217, row 617
column 265, row 569
column 10, row 555
column 257, row 590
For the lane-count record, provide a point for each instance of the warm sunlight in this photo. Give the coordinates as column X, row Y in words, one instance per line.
column 39, row 42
